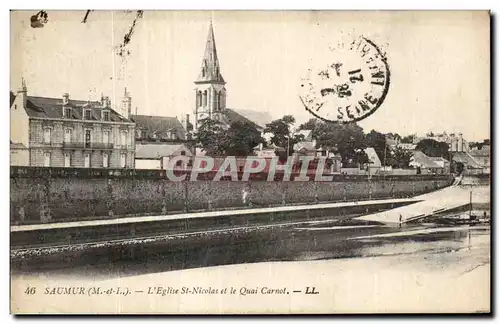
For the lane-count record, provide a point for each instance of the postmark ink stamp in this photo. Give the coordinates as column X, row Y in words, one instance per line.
column 350, row 86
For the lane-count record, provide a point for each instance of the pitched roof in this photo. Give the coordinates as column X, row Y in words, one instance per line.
column 424, row 161
column 307, row 134
column 260, row 118
column 210, row 68
column 438, row 158
column 234, row 116
column 372, row 155
column 17, row 145
column 308, row 146
column 156, row 151
column 465, row 158
column 159, row 126
column 480, row 153
column 45, row 107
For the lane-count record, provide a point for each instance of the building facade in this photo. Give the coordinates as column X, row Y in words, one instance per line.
column 62, row 132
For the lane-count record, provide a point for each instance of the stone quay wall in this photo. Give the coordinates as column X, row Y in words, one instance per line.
column 43, row 195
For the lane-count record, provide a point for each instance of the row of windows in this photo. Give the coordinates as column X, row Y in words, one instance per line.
column 87, row 160
column 87, row 114
column 47, row 136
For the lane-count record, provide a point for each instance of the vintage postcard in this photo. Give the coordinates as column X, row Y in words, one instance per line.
column 249, row 162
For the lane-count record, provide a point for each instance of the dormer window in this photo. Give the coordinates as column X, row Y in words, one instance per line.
column 87, row 114
column 67, row 112
column 105, row 115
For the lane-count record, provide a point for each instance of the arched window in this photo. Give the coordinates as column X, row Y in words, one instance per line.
column 205, row 98
column 219, row 100
column 198, row 99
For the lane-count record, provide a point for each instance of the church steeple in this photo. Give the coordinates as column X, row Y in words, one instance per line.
column 210, row 68
column 210, row 90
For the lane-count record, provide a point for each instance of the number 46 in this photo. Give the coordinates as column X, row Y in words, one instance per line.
column 30, row 291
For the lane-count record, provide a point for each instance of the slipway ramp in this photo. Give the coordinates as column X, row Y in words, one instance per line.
column 432, row 204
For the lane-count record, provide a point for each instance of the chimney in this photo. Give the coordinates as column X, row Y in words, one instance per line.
column 105, row 102
column 65, row 98
column 126, row 104
column 188, row 123
column 23, row 92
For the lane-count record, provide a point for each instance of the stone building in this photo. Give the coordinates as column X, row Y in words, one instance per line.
column 63, row 132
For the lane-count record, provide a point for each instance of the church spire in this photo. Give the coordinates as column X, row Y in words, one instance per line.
column 210, row 68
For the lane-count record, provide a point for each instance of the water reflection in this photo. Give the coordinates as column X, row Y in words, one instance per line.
column 306, row 242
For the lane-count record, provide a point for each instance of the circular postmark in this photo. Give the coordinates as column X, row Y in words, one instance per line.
column 351, row 84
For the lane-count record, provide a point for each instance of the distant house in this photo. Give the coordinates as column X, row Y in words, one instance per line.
column 406, row 146
column 442, row 162
column 158, row 155
column 426, row 164
column 456, row 143
column 267, row 151
column 468, row 163
column 482, row 157
column 158, row 129
column 374, row 163
column 307, row 146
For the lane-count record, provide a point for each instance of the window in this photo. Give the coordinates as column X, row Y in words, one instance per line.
column 205, row 98
column 105, row 115
column 67, row 112
column 178, row 163
column 183, row 152
column 46, row 159
column 88, row 137
column 105, row 137
column 67, row 135
column 87, row 160
column 46, row 135
column 87, row 114
column 105, row 160
column 123, row 138
column 67, row 160
column 123, row 160
column 198, row 99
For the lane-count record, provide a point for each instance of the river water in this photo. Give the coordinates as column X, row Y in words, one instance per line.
column 317, row 240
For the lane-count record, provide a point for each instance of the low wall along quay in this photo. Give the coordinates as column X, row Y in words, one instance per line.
column 42, row 195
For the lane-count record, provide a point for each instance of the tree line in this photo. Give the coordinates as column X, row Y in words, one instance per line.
column 239, row 138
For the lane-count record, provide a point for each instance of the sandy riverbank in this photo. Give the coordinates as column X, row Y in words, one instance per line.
column 450, row 281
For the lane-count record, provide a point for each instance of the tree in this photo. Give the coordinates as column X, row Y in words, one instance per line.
column 281, row 130
column 433, row 148
column 242, row 137
column 238, row 140
column 346, row 139
column 394, row 136
column 408, row 139
column 400, row 158
column 211, row 137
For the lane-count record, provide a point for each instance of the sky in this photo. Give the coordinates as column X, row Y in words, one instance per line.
column 439, row 61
